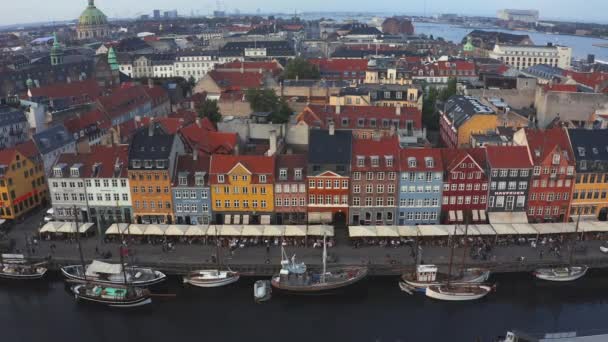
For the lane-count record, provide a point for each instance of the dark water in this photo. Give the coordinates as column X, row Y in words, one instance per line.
column 378, row 311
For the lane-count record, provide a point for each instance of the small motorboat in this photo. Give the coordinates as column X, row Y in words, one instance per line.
column 452, row 292
column 112, row 296
column 211, row 278
column 427, row 275
column 16, row 267
column 568, row 273
column 112, row 274
column 604, row 248
column 262, row 291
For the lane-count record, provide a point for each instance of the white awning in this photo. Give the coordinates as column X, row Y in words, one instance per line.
column 213, row 230
column 195, row 230
column 117, row 229
column 320, row 230
column 593, row 226
column 469, row 230
column 362, row 231
column 508, row 217
column 252, row 230
column 97, row 267
column 295, row 230
column 230, row 230
column 274, row 230
column 314, row 217
column 387, row 231
column 155, row 230
column 245, row 219
column 70, row 227
column 236, row 219
column 51, row 227
column 524, row 229
column 136, row 229
column 504, row 229
column 485, row 229
column 433, row 230
column 176, row 230
column 407, row 231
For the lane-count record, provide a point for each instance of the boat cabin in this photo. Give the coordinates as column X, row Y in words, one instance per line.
column 426, row 273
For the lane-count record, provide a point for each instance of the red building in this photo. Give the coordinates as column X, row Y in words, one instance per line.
column 465, row 185
column 552, row 181
column 341, row 69
column 290, row 189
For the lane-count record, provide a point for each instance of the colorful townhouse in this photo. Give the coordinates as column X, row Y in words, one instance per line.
column 591, row 155
column 22, row 184
column 463, row 116
column 465, row 185
column 190, row 187
column 510, row 169
column 290, row 189
column 328, row 175
column 553, row 178
column 242, row 189
column 420, row 186
column 373, row 190
column 152, row 158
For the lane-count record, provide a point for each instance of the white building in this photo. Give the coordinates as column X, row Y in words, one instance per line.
column 526, row 16
column 198, row 64
column 525, row 56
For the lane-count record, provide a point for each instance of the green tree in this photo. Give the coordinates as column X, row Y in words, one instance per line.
column 209, row 109
column 450, row 90
column 430, row 117
column 300, row 68
column 266, row 100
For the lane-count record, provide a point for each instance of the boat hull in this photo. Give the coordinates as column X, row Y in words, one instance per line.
column 319, row 288
column 458, row 293
column 135, row 302
column 209, row 283
column 558, row 274
column 604, row 249
column 262, row 291
column 473, row 276
column 74, row 272
column 12, row 276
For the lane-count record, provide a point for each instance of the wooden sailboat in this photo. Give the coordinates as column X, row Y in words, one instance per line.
column 457, row 292
column 564, row 273
column 119, row 296
column 295, row 278
column 212, row 277
column 16, row 267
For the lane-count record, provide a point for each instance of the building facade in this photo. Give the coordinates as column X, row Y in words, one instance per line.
column 463, row 116
column 420, row 186
column 14, row 127
column 191, row 192
column 22, row 184
column 510, row 169
column 92, row 24
column 524, row 56
column 374, row 167
column 290, row 189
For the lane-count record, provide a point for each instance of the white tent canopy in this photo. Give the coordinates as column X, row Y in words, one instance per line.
column 70, row 227
column 101, row 267
column 155, row 230
column 362, row 231
column 196, row 230
column 230, row 230
column 176, row 230
column 508, row 217
column 117, row 229
column 387, row 231
column 524, row 229
column 504, row 229
column 270, row 230
column 51, row 227
column 251, row 230
column 593, row 226
column 431, row 230
column 407, row 231
column 136, row 229
column 295, row 231
column 485, row 229
column 320, row 230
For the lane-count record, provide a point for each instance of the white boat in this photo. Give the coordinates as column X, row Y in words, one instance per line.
column 112, row 274
column 262, row 291
column 604, row 249
column 428, row 275
column 563, row 274
column 16, row 267
column 116, row 297
column 452, row 292
column 211, row 278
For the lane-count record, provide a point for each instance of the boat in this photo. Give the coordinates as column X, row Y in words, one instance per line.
column 452, row 292
column 296, row 278
column 566, row 273
column 561, row 336
column 112, row 296
column 16, row 267
column 213, row 277
column 262, row 291
column 604, row 248
column 457, row 292
column 112, row 274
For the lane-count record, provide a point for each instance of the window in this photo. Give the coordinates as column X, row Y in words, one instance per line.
column 356, row 176
column 537, row 170
column 356, row 201
column 283, row 174
column 513, row 173
column 411, row 162
column 523, row 185
column 360, row 161
column 375, row 161
column 220, row 178
column 262, row 178
column 369, row 176
column 311, row 184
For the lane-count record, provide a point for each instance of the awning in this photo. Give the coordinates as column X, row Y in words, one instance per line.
column 475, row 215
column 508, row 217
column 70, row 227
column 593, row 226
column 51, row 227
column 176, row 230
column 504, row 229
column 524, row 229
column 387, row 231
column 314, row 217
column 362, row 231
column 136, row 229
column 101, row 267
column 227, row 219
column 252, row 230
column 245, row 219
column 485, row 229
column 236, row 219
column 213, row 230
column 459, row 215
column 295, row 230
column 274, row 230
column 117, row 229
column 434, row 230
column 230, row 230
column 155, row 230
column 196, row 230
column 407, row 231
column 469, row 230
column 320, row 230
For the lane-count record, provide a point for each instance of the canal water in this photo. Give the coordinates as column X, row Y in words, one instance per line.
column 378, row 311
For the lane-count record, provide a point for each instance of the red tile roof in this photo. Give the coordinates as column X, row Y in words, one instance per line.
column 546, row 141
column 508, row 157
column 385, row 146
column 453, row 156
column 571, row 88
column 28, row 149
column 106, row 156
column 590, row 79
column 84, row 121
column 157, row 94
column 186, row 163
column 339, row 65
column 170, row 125
column 210, row 142
column 188, row 115
column 272, row 67
column 7, row 156
column 88, row 87
column 235, row 80
column 257, row 165
column 420, row 155
column 318, row 115
column 123, row 100
column 291, row 162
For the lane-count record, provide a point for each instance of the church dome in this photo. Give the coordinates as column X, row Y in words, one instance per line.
column 92, row 16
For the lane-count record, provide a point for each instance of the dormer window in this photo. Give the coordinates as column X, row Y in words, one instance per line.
column 183, row 180
column 283, row 174
column 297, row 174
column 74, row 172
column 581, row 151
column 389, row 161
column 595, row 151
column 57, row 172
column 199, row 178
column 148, row 164
column 262, row 178
column 583, row 165
column 375, row 161
column 537, row 153
column 556, row 158
column 136, row 164
column 411, row 162
column 160, row 164
column 360, row 161
column 220, row 179
column 429, row 162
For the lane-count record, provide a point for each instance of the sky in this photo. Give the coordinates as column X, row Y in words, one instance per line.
column 27, row 11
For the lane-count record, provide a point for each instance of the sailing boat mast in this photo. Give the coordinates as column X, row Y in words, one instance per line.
column 217, row 249
column 452, row 256
column 122, row 263
column 324, row 257
column 464, row 252
column 84, row 269
column 578, row 219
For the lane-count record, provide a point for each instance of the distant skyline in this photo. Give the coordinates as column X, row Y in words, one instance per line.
column 29, row 11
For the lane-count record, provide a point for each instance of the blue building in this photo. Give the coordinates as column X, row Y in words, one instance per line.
column 191, row 194
column 420, row 186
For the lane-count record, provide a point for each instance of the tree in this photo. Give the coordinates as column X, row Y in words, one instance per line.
column 450, row 90
column 300, row 68
column 266, row 100
column 209, row 109
column 430, row 117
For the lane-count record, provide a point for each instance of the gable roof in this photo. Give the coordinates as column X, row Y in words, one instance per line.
column 420, row 155
column 318, row 115
column 544, row 142
column 236, row 80
column 209, row 142
column 461, row 108
column 452, row 157
column 82, row 122
column 291, row 162
column 223, row 164
column 585, row 143
column 508, row 157
column 339, row 65
column 7, row 156
column 324, row 148
column 101, row 162
column 88, row 87
column 187, row 164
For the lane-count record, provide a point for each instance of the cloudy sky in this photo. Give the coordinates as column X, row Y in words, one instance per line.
column 24, row 11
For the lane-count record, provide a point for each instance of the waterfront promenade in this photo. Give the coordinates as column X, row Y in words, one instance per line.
column 260, row 261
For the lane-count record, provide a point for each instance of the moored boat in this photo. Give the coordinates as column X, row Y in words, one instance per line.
column 563, row 274
column 453, row 292
column 262, row 291
column 211, row 278
column 16, row 267
column 428, row 275
column 112, row 274
column 112, row 296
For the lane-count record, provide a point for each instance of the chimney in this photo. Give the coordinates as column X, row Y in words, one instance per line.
column 192, row 105
column 151, row 128
column 242, row 67
column 392, row 132
column 332, row 128
column 398, row 110
column 338, row 109
column 198, row 122
column 195, row 152
column 150, row 83
column 273, row 142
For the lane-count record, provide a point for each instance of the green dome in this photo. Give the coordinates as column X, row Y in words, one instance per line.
column 92, row 16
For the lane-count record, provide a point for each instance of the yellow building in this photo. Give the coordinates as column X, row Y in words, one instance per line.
column 22, row 184
column 242, row 189
column 589, row 197
column 462, row 117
